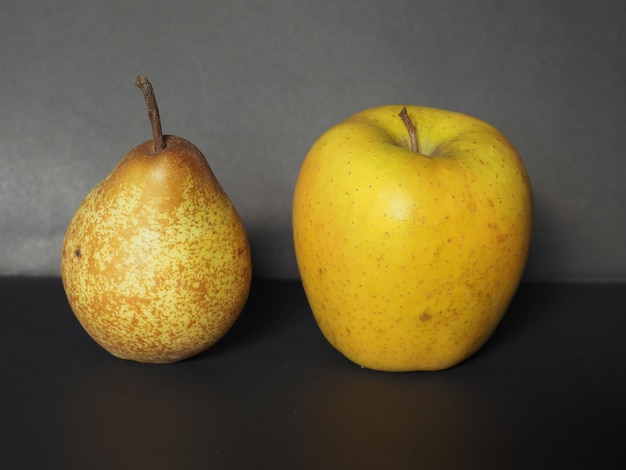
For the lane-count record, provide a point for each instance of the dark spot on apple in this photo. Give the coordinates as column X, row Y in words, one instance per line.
column 501, row 237
column 77, row 252
column 425, row 316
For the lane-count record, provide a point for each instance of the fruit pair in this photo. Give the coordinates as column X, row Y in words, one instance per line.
column 411, row 232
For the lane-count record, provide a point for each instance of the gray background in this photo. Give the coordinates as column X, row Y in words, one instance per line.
column 253, row 84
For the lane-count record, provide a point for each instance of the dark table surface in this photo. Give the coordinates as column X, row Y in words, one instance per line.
column 547, row 391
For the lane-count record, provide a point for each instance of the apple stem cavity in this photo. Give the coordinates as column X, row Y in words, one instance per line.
column 145, row 86
column 404, row 114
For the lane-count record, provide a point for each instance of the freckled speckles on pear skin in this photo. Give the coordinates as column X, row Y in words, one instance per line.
column 161, row 276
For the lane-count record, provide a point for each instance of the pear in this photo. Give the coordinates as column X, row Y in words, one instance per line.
column 156, row 262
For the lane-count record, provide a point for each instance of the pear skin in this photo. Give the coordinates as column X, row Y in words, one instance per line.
column 156, row 262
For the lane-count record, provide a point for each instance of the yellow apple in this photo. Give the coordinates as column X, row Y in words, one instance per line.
column 411, row 233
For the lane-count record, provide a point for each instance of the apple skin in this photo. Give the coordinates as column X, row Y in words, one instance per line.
column 410, row 260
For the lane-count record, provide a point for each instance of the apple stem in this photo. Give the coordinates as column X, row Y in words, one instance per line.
column 404, row 114
column 145, row 86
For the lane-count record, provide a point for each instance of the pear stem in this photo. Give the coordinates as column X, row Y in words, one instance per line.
column 158, row 141
column 404, row 114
